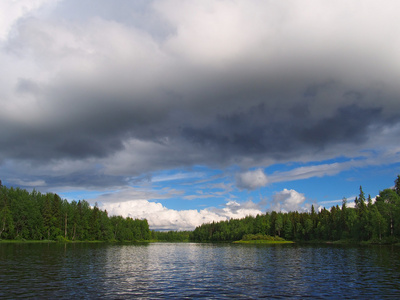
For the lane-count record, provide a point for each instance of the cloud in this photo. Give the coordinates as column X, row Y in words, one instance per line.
column 217, row 190
column 288, row 200
column 256, row 179
column 113, row 94
column 136, row 194
column 162, row 218
column 37, row 183
column 143, row 203
column 199, row 196
column 177, row 176
column 251, row 179
column 236, row 210
column 11, row 11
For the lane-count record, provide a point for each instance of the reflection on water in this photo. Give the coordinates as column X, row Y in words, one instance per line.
column 198, row 271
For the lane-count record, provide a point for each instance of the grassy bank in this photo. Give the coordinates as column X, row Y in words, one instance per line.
column 23, row 241
column 26, row 241
column 262, row 242
column 262, row 239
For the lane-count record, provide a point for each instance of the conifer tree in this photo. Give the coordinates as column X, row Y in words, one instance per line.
column 396, row 185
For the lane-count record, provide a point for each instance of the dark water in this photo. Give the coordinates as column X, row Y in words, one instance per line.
column 92, row 271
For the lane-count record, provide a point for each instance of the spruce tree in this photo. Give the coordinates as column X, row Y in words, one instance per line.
column 397, row 185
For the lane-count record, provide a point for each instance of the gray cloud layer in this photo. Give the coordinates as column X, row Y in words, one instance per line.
column 139, row 86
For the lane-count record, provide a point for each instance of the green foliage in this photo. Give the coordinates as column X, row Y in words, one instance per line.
column 377, row 222
column 36, row 216
column 170, row 236
column 61, row 239
column 259, row 236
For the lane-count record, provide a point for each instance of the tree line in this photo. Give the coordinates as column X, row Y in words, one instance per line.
column 36, row 216
column 170, row 236
column 375, row 221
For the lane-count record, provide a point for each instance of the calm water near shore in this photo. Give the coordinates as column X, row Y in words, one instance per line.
column 186, row 270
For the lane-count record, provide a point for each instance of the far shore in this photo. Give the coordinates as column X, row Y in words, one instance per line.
column 262, row 242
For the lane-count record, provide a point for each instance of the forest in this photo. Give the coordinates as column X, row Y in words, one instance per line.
column 374, row 221
column 34, row 216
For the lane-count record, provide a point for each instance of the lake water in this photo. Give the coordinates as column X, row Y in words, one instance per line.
column 186, row 270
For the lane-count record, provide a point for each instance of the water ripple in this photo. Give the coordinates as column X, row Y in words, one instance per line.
column 187, row 271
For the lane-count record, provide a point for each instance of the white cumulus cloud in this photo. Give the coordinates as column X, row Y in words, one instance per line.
column 251, row 180
column 160, row 217
column 288, row 200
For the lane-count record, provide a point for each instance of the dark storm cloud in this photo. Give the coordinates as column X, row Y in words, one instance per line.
column 261, row 132
column 76, row 147
column 255, row 131
column 136, row 87
column 89, row 180
column 51, row 143
column 349, row 125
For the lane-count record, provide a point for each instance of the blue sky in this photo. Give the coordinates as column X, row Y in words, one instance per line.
column 185, row 112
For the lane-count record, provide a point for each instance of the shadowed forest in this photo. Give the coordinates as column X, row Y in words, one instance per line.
column 34, row 216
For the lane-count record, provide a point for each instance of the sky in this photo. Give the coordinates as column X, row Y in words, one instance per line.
column 186, row 112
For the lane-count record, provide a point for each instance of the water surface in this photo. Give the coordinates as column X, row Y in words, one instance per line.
column 185, row 270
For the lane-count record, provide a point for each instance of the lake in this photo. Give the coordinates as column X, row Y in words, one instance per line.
column 186, row 270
